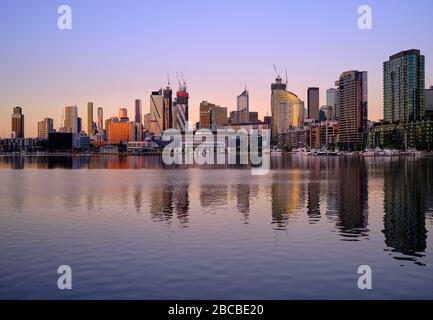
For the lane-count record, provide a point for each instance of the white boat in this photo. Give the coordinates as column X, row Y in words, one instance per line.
column 413, row 152
column 276, row 151
column 368, row 153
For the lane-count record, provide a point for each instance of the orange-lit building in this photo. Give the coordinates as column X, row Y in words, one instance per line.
column 119, row 132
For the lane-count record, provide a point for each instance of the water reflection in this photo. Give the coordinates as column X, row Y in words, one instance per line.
column 315, row 191
column 408, row 196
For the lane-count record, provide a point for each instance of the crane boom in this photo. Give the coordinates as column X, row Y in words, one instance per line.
column 276, row 71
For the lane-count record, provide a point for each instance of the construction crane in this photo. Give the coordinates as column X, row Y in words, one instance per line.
column 178, row 79
column 276, row 72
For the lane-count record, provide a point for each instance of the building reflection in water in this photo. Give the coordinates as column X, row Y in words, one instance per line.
column 169, row 201
column 213, row 197
column 352, row 198
column 287, row 197
column 245, row 194
column 408, row 195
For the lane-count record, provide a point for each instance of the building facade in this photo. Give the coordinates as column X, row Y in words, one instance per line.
column 156, row 112
column 71, row 119
column 353, row 109
column 404, row 87
column 18, row 123
column 45, row 127
column 313, row 103
column 90, row 127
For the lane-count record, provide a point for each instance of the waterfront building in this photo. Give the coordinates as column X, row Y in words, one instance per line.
column 90, row 127
column 429, row 103
column 156, row 112
column 243, row 101
column 313, row 103
column 167, row 111
column 212, row 116
column 18, row 123
column 118, row 131
column 402, row 135
column 45, row 127
column 404, row 87
column 353, row 109
column 71, row 119
column 138, row 109
column 332, row 101
column 100, row 124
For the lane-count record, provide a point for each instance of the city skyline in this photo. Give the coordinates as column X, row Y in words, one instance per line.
column 136, row 72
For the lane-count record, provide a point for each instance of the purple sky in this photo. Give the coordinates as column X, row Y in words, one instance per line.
column 118, row 51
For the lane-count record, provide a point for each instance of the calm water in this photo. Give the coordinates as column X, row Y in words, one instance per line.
column 130, row 228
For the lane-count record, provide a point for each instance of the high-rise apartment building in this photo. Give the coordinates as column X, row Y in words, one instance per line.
column 429, row 102
column 71, row 119
column 156, row 112
column 313, row 103
column 18, row 123
column 243, row 101
column 404, row 87
column 332, row 101
column 276, row 86
column 167, row 111
column 138, row 110
column 353, row 109
column 45, row 127
column 100, row 124
column 287, row 109
column 90, row 128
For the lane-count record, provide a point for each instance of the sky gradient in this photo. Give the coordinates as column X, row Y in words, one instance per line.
column 118, row 51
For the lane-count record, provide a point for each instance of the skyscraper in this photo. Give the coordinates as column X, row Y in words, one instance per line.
column 18, row 123
column 167, row 112
column 429, row 102
column 90, row 118
column 277, row 85
column 156, row 112
column 181, row 108
column 353, row 106
column 138, row 111
column 100, row 125
column 71, row 119
column 243, row 101
column 286, row 109
column 404, row 87
column 313, row 103
column 45, row 127
column 79, row 125
column 331, row 101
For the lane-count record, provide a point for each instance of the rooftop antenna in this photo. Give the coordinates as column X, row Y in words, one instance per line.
column 431, row 85
column 286, row 76
column 183, row 79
